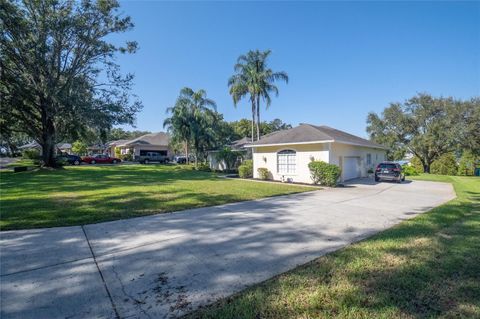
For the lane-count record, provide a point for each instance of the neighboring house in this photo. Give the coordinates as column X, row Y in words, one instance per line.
column 110, row 147
column 238, row 145
column 59, row 148
column 148, row 143
column 95, row 149
column 286, row 153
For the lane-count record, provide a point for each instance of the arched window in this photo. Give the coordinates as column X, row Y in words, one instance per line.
column 286, row 162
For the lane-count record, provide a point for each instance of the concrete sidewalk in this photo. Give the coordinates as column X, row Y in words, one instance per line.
column 163, row 266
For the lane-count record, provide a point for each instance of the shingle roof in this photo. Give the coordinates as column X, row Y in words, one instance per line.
column 117, row 142
column 159, row 138
column 307, row 133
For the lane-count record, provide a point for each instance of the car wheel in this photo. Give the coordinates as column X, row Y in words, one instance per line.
column 93, row 162
column 145, row 161
column 114, row 161
column 377, row 179
column 76, row 162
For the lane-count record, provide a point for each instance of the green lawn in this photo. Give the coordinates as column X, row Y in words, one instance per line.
column 427, row 267
column 90, row 194
column 23, row 162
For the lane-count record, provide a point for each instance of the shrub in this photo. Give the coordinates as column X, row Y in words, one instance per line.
column 203, row 167
column 118, row 152
column 445, row 165
column 246, row 169
column 324, row 174
column 79, row 148
column 416, row 164
column 126, row 157
column 264, row 173
column 467, row 164
column 229, row 157
column 31, row 154
column 409, row 170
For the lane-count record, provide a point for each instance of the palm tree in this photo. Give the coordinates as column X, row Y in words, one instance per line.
column 255, row 78
column 187, row 122
column 242, row 84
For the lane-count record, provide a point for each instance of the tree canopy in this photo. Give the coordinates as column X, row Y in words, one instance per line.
column 58, row 70
column 192, row 121
column 427, row 127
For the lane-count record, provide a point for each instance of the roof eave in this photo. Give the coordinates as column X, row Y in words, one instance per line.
column 289, row 143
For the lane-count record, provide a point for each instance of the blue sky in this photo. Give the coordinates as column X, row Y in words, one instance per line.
column 344, row 59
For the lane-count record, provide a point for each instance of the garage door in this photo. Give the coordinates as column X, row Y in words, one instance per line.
column 351, row 168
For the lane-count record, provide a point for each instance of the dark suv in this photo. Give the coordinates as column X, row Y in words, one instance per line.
column 389, row 171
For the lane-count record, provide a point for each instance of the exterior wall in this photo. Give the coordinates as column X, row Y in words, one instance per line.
column 333, row 153
column 267, row 157
column 340, row 151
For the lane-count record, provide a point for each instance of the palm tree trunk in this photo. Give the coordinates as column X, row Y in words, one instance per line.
column 186, row 152
column 258, row 118
column 253, row 120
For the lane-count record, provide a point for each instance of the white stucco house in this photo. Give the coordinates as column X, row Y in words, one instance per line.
column 286, row 153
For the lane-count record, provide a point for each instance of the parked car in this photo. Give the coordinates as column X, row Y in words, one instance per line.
column 180, row 159
column 389, row 171
column 70, row 159
column 147, row 157
column 101, row 159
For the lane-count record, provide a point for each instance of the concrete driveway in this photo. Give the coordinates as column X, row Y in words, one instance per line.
column 166, row 265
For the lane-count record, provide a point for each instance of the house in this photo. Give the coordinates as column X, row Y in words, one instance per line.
column 59, row 148
column 238, row 146
column 151, row 143
column 110, row 146
column 286, row 153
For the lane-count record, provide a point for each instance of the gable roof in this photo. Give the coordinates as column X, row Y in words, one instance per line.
column 309, row 134
column 160, row 138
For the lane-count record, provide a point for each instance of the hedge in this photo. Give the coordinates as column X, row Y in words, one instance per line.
column 246, row 169
column 324, row 174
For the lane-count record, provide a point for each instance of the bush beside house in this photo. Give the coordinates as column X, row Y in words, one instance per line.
column 324, row 174
column 264, row 173
column 246, row 169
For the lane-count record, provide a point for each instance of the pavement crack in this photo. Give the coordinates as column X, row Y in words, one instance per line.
column 136, row 302
column 117, row 316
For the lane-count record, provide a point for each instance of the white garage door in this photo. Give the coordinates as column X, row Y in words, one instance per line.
column 351, row 168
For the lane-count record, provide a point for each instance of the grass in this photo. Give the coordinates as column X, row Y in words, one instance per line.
column 23, row 162
column 91, row 194
column 426, row 267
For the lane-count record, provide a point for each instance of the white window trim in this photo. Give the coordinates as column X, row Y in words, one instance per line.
column 277, row 164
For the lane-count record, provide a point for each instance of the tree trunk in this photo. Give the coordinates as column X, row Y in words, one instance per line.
column 426, row 168
column 186, row 152
column 48, row 141
column 253, row 120
column 258, row 118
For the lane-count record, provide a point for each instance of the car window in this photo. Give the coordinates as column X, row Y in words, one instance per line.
column 388, row 165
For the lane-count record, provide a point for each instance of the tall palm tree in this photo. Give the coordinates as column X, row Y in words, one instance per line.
column 254, row 78
column 242, row 84
column 187, row 121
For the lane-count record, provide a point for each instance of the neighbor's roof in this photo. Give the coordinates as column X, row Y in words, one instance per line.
column 241, row 143
column 159, row 138
column 117, row 142
column 309, row 134
column 36, row 145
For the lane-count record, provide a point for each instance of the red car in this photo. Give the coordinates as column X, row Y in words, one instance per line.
column 100, row 159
